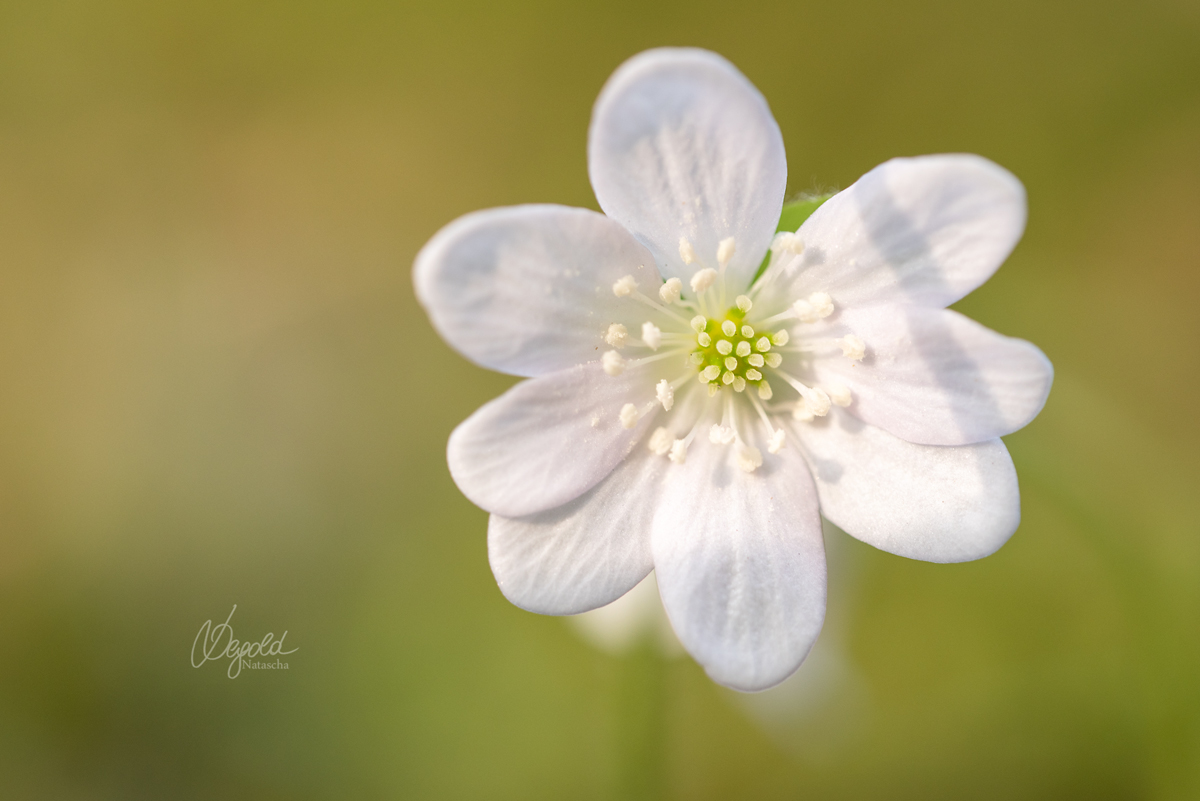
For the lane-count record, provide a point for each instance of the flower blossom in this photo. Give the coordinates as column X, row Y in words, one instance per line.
column 687, row 415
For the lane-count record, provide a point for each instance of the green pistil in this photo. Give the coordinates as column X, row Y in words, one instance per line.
column 740, row 353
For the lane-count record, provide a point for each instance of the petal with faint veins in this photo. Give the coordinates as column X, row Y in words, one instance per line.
column 923, row 230
column 681, row 144
column 741, row 564
column 935, row 377
column 586, row 553
column 550, row 439
column 528, row 290
column 928, row 502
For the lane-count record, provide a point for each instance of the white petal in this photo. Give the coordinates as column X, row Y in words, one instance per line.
column 528, row 289
column 924, row 230
column 935, row 377
column 548, row 440
column 682, row 145
column 741, row 564
column 930, row 502
column 586, row 553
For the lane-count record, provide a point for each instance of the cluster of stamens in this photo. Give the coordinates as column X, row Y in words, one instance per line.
column 733, row 350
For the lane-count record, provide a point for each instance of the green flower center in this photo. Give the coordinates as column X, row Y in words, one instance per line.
column 731, row 353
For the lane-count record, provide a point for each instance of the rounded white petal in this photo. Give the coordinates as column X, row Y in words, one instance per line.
column 741, row 564
column 528, row 290
column 935, row 377
column 683, row 147
column 929, row 502
column 924, row 230
column 586, row 553
column 548, row 440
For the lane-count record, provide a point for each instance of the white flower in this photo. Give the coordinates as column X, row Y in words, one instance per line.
column 831, row 385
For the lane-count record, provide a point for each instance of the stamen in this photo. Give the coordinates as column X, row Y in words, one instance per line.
column 821, row 303
column 780, row 337
column 730, row 363
column 612, row 362
column 696, row 359
column 665, row 394
column 624, row 286
column 744, row 303
column 616, row 335
column 764, row 390
column 763, row 344
column 755, row 359
column 651, row 335
column 840, row 395
column 698, row 323
column 703, row 279
column 853, row 348
column 704, row 340
column 660, row 441
column 628, row 416
column 773, row 359
column 727, row 378
column 678, row 453
column 753, row 375
column 743, row 348
column 786, row 241
column 748, row 458
column 813, row 399
column 710, row 373
column 686, row 251
column 776, row 443
column 721, row 435
column 724, row 347
column 725, row 249
column 729, row 327
column 747, row 332
column 739, row 383
column 670, row 290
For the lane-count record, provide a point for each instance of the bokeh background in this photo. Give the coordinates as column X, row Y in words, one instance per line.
column 217, row 388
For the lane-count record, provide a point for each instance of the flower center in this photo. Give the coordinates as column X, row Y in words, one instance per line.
column 729, row 352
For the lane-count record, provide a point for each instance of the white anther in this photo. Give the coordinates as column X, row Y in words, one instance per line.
column 678, row 453
column 817, row 402
column 773, row 359
column 730, row 363
column 776, row 443
column 687, row 253
column 670, row 290
column 729, row 327
column 821, row 303
column 724, row 347
column 624, row 286
column 747, row 332
column 710, row 373
column 763, row 344
column 753, row 375
column 703, row 279
column 704, row 340
column 744, row 303
column 780, row 337
column 665, row 395
column 727, row 378
column 755, row 359
column 840, row 395
column 764, row 390
column 612, row 362
column 788, row 241
column 853, row 348
column 660, row 441
column 805, row 311
column 651, row 335
column 725, row 249
column 721, row 435
column 628, row 416
column 616, row 335
column 743, row 348
column 748, row 458
column 739, row 383
column 800, row 412
column 698, row 323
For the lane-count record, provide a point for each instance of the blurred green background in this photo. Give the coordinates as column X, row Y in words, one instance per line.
column 208, row 214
